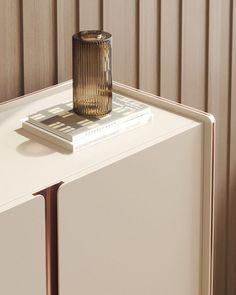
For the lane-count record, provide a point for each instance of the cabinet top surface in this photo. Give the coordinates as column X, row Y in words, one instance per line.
column 30, row 164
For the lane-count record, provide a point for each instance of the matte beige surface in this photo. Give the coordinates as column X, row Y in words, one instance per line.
column 22, row 255
column 218, row 104
column 43, row 161
column 40, row 43
column 138, row 228
column 11, row 78
column 194, row 28
column 208, row 190
column 149, row 46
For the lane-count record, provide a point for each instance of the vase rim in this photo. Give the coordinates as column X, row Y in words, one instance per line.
column 92, row 36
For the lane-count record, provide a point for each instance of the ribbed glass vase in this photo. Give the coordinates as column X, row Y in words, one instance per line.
column 92, row 73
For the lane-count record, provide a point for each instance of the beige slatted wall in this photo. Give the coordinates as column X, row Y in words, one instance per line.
column 218, row 104
column 184, row 50
column 170, row 49
column 149, row 45
column 39, row 44
column 91, row 15
column 231, row 257
column 121, row 19
column 11, row 50
column 67, row 24
column 193, row 57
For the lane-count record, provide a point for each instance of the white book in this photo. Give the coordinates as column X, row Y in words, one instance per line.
column 62, row 126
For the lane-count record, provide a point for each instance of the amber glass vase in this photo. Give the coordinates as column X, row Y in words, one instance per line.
column 92, row 73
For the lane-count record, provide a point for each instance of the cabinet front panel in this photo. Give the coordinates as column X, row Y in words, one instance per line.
column 135, row 227
column 22, row 249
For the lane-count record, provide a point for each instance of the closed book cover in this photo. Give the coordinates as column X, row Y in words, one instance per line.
column 60, row 121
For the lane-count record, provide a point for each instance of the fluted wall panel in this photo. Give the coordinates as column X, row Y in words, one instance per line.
column 170, row 49
column 184, row 50
column 90, row 14
column 194, row 54
column 218, row 101
column 120, row 18
column 39, row 44
column 149, row 45
column 231, row 217
column 11, row 50
column 67, row 25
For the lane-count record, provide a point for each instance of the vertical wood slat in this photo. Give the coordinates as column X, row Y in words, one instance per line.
column 90, row 14
column 40, row 44
column 218, row 96
column 193, row 88
column 11, row 63
column 231, row 256
column 170, row 49
column 67, row 20
column 120, row 18
column 149, row 46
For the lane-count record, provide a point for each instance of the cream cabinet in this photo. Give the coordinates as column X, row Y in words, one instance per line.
column 132, row 214
column 22, row 247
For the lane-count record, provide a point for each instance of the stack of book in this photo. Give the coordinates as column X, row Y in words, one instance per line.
column 61, row 126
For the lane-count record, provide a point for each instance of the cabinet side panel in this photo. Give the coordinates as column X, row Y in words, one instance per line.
column 135, row 227
column 22, row 255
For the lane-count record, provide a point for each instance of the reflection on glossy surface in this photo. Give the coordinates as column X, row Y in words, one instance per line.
column 35, row 146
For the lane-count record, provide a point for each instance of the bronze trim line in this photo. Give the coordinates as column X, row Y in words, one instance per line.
column 50, row 196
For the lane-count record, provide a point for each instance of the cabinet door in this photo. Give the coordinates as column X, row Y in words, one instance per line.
column 135, row 227
column 22, row 248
